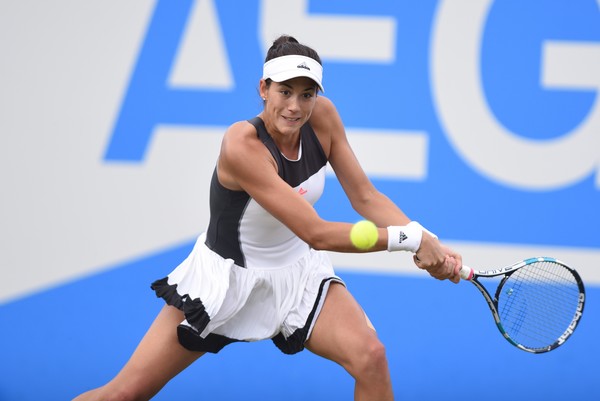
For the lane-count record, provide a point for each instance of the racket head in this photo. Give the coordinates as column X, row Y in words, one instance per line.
column 539, row 304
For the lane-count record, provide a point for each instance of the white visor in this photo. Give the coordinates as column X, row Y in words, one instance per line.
column 287, row 67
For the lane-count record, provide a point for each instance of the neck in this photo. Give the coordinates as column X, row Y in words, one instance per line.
column 288, row 143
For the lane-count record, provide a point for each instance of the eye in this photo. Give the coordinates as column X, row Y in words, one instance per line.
column 285, row 92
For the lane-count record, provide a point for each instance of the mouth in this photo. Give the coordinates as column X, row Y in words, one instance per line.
column 290, row 119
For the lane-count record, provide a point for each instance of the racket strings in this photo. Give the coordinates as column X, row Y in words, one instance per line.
column 537, row 303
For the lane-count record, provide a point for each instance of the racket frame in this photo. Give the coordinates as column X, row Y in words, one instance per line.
column 472, row 275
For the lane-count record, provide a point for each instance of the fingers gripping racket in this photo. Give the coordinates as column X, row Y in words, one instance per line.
column 537, row 304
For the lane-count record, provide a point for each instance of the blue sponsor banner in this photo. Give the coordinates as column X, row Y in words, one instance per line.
column 513, row 136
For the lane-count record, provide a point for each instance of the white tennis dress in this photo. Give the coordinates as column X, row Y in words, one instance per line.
column 249, row 277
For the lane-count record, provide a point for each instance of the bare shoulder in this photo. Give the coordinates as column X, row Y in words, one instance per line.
column 325, row 116
column 237, row 132
column 240, row 138
column 327, row 123
column 323, row 111
column 241, row 153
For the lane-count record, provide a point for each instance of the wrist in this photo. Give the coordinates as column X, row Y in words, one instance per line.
column 427, row 231
column 406, row 238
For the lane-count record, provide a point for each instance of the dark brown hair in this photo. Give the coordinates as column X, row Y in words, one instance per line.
column 286, row 45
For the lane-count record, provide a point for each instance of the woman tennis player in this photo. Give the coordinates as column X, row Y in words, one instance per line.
column 260, row 270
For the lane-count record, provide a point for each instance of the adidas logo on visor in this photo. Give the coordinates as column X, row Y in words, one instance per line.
column 303, row 65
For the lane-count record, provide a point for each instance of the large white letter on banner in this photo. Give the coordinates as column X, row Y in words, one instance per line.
column 478, row 136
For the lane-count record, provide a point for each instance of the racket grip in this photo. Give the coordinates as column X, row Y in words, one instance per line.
column 466, row 273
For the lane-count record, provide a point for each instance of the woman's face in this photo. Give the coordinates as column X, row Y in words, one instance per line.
column 288, row 104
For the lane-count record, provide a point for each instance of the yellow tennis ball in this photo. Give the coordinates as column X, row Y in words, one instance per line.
column 364, row 235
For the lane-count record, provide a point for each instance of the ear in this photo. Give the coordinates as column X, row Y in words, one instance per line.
column 263, row 88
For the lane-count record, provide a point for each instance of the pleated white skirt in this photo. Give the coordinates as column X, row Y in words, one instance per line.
column 224, row 302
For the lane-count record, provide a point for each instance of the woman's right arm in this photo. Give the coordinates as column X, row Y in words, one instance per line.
column 245, row 164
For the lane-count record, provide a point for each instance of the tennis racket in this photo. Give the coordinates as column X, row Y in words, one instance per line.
column 537, row 304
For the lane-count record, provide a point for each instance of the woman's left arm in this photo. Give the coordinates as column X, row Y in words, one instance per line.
column 440, row 261
column 363, row 196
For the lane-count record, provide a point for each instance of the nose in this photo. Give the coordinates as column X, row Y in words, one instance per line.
column 293, row 104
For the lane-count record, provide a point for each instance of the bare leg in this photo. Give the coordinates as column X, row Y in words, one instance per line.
column 158, row 358
column 344, row 335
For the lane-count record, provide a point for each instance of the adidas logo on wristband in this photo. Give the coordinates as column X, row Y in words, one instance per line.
column 405, row 238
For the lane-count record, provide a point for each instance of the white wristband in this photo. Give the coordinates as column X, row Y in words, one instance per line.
column 428, row 232
column 406, row 238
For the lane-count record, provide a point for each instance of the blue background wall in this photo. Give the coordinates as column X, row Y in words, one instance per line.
column 108, row 137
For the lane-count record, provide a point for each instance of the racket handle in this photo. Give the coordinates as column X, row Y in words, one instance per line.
column 466, row 273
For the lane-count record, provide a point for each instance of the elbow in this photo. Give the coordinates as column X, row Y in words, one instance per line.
column 319, row 245
column 317, row 242
column 317, row 238
column 363, row 202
